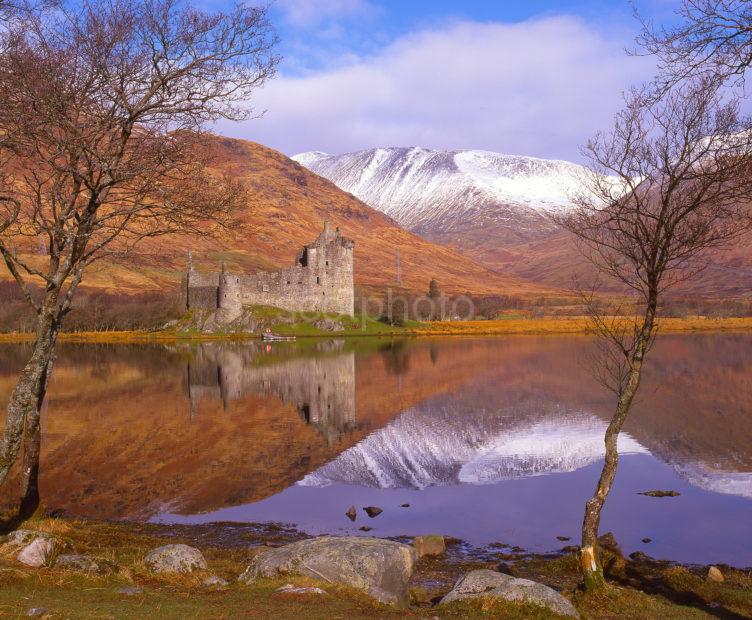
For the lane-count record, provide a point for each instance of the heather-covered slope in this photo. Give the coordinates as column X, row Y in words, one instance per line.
column 287, row 208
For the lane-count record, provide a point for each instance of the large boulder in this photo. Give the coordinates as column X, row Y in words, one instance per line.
column 85, row 564
column 32, row 548
column 488, row 583
column 21, row 538
column 380, row 567
column 175, row 559
column 39, row 552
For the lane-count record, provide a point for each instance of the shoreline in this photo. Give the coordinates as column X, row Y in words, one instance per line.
column 502, row 327
column 638, row 586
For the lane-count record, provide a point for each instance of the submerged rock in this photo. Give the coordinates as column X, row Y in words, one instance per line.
column 433, row 544
column 175, row 559
column 488, row 583
column 85, row 564
column 372, row 511
column 660, row 493
column 380, row 567
column 352, row 513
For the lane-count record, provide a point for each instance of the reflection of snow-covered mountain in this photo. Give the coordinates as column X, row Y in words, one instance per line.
column 442, row 446
column 550, row 446
column 445, row 442
column 729, row 482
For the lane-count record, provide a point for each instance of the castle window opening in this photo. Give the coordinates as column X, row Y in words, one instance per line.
column 318, row 280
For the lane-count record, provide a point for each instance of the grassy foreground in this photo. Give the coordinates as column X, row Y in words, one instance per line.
column 358, row 326
column 637, row 589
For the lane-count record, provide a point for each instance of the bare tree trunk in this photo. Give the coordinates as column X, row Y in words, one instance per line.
column 30, row 497
column 27, row 398
column 592, row 568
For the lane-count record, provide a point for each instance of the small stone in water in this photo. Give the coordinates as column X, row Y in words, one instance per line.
column 404, row 505
column 365, row 528
column 660, row 493
column 351, row 513
column 647, row 540
column 373, row 511
column 563, row 538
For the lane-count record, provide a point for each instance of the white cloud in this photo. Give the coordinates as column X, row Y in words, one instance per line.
column 310, row 13
column 539, row 87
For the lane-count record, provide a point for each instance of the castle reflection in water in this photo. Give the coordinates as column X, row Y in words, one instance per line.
column 321, row 387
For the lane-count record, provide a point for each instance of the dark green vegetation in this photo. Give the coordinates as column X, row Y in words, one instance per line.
column 639, row 588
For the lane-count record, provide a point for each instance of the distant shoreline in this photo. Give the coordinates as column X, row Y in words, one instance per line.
column 508, row 327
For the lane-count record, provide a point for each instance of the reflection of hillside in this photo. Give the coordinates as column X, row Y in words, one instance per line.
column 119, row 442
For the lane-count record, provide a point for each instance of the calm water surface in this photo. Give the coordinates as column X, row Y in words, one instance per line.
column 488, row 440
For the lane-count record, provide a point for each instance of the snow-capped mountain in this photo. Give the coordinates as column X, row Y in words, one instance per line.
column 443, row 192
column 494, row 208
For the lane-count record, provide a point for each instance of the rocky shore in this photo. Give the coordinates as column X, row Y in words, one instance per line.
column 66, row 568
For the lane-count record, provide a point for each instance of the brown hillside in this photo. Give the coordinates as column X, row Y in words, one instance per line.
column 551, row 259
column 288, row 207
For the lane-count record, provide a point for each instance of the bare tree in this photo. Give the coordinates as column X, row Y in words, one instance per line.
column 711, row 38
column 102, row 108
column 668, row 182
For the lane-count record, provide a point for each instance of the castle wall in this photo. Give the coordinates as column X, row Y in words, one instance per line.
column 320, row 281
column 202, row 290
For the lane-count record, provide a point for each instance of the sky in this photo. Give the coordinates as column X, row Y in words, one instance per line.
column 529, row 77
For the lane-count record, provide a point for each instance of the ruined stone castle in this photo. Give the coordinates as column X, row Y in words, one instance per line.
column 321, row 280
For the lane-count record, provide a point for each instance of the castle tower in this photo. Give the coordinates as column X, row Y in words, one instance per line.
column 228, row 293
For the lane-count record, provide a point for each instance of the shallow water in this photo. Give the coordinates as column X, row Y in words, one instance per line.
column 487, row 439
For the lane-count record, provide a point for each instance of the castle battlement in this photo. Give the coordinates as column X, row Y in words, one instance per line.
column 320, row 280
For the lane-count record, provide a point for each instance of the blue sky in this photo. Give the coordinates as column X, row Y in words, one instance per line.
column 533, row 77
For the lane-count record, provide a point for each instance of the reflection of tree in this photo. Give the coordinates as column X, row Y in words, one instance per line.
column 434, row 352
column 396, row 357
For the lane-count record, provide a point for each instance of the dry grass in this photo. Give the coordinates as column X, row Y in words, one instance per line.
column 572, row 325
column 542, row 326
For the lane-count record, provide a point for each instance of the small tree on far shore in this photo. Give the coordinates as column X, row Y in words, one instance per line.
column 436, row 297
column 102, row 108
column 668, row 182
